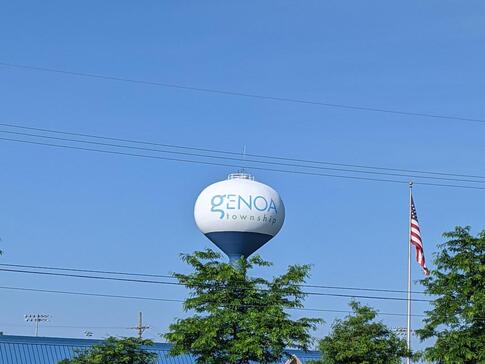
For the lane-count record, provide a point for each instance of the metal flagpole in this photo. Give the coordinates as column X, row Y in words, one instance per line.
column 408, row 326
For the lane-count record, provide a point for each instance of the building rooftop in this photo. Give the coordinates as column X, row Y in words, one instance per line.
column 50, row 350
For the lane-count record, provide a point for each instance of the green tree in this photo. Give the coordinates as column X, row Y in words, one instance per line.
column 359, row 339
column 457, row 317
column 115, row 351
column 236, row 318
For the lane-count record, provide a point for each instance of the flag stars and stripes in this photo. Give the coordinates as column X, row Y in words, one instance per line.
column 415, row 238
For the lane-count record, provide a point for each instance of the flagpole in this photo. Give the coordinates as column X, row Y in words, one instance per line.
column 408, row 326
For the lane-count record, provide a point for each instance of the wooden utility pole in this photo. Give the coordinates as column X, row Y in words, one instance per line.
column 140, row 327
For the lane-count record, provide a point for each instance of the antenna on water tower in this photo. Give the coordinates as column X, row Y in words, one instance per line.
column 244, row 158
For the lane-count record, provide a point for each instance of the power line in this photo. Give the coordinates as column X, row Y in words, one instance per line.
column 157, row 299
column 240, row 166
column 244, row 94
column 244, row 160
column 360, row 289
column 90, row 277
column 321, row 286
column 66, row 326
column 89, row 294
column 183, row 147
column 349, row 312
column 180, row 284
column 90, row 271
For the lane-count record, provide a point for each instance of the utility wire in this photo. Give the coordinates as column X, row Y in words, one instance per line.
column 157, row 299
column 183, row 147
column 91, row 271
column 180, row 284
column 90, row 277
column 244, row 94
column 89, row 294
column 240, row 166
column 245, row 160
column 66, row 326
column 321, row 286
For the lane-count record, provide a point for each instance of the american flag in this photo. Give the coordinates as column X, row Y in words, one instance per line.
column 416, row 238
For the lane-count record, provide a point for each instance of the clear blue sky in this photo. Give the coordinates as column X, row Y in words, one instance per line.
column 89, row 210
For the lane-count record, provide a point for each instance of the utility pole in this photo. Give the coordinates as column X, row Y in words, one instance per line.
column 36, row 318
column 140, row 327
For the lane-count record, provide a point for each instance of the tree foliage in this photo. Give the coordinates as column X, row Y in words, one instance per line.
column 457, row 317
column 115, row 351
column 236, row 318
column 358, row 339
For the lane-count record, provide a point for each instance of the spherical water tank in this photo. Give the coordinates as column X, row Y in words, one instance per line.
column 239, row 215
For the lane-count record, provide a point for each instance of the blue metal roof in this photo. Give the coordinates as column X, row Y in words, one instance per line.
column 50, row 350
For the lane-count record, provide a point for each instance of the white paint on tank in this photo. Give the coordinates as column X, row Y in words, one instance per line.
column 240, row 205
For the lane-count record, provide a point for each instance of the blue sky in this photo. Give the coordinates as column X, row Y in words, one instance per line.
column 90, row 210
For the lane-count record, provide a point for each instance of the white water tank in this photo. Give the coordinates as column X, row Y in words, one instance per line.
column 239, row 215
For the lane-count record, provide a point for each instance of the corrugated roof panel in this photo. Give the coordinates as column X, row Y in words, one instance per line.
column 45, row 350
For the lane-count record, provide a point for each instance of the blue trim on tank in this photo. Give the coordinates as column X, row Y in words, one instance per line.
column 238, row 243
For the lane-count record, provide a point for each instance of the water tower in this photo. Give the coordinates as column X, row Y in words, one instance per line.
column 239, row 215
